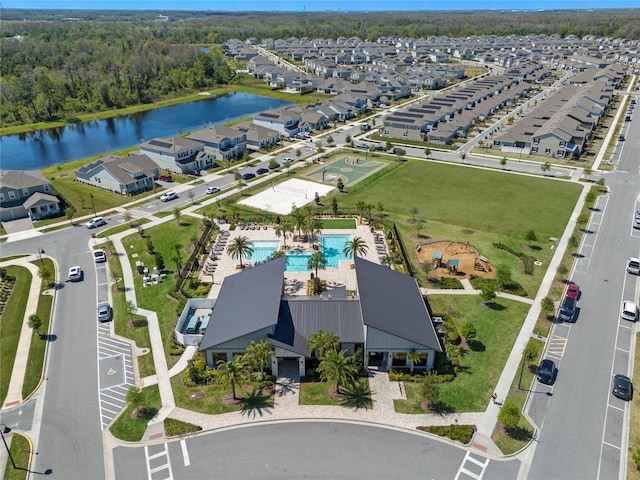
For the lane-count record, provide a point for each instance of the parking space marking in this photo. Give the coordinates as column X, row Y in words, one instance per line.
column 556, row 346
column 160, row 468
column 609, row 405
column 612, row 446
column 185, row 453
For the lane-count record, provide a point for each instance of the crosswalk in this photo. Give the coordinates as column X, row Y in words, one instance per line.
column 472, row 467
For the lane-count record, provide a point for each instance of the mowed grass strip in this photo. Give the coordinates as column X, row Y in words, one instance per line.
column 471, row 197
column 11, row 325
column 497, row 330
column 35, row 362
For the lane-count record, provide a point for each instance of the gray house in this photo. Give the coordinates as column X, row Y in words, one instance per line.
column 125, row 175
column 221, row 142
column 26, row 194
column 387, row 318
column 178, row 154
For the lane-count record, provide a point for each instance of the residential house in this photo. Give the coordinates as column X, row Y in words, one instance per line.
column 124, row 175
column 286, row 122
column 26, row 193
column 259, row 137
column 221, row 142
column 178, row 154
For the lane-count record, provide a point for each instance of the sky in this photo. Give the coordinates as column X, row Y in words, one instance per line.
column 304, row 5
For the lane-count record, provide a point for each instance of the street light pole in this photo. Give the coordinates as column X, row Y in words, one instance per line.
column 93, row 205
column 2, row 433
column 40, row 252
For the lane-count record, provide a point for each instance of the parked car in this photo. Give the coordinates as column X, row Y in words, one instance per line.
column 622, row 387
column 274, row 166
column 96, row 222
column 287, row 160
column 362, row 145
column 165, row 178
column 627, row 118
column 248, row 176
column 546, row 371
column 621, row 138
column 567, row 309
column 636, row 222
column 573, row 290
column 262, row 171
column 633, row 265
column 104, row 312
column 170, row 195
column 629, row 311
column 75, row 274
column 99, row 256
column 211, row 190
column 380, row 147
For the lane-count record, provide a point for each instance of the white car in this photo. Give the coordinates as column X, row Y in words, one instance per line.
column 96, row 222
column 104, row 312
column 170, row 195
column 633, row 265
column 287, row 160
column 75, row 274
column 629, row 311
column 99, row 256
column 211, row 190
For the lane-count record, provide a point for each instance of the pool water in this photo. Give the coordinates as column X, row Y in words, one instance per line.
column 331, row 246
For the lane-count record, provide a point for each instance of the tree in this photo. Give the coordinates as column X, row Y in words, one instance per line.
column 334, row 205
column 240, row 247
column 562, row 270
column 45, row 273
column 299, row 220
column 503, row 275
column 573, row 241
column 322, row 342
column 177, row 258
column 509, row 416
column 127, row 217
column 463, row 155
column 547, row 306
column 35, row 322
column 356, row 247
column 430, row 390
column 258, row 354
column 329, row 140
column 427, row 152
column 68, row 213
column 131, row 309
column 348, row 140
column 231, row 373
column 315, row 229
column 283, row 230
column 340, row 185
column 545, row 167
column 419, row 225
column 531, row 236
column 335, row 367
column 361, row 207
column 191, row 196
column 587, row 171
column 317, row 260
column 414, row 212
column 414, row 357
column 468, row 330
column 135, row 396
column 487, row 294
column 503, row 162
column 388, row 146
column 177, row 213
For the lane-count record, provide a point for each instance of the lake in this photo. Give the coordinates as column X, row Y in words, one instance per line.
column 44, row 148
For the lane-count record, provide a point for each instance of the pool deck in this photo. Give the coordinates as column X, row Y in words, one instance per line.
column 295, row 282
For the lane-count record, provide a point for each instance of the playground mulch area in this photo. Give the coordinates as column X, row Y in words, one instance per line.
column 465, row 253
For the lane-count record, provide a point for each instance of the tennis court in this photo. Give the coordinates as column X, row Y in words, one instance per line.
column 351, row 169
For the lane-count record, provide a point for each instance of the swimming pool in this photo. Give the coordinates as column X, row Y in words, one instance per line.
column 331, row 246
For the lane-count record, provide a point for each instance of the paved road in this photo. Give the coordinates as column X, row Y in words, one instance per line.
column 314, row 450
column 582, row 420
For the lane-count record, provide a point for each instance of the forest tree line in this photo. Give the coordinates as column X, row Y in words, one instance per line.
column 83, row 61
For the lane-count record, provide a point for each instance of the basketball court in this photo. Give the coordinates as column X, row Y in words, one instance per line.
column 350, row 169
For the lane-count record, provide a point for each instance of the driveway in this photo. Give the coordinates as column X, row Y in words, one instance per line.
column 19, row 225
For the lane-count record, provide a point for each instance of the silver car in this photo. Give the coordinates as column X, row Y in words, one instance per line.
column 104, row 312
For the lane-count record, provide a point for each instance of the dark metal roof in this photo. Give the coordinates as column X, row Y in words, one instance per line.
column 299, row 319
column 391, row 302
column 248, row 301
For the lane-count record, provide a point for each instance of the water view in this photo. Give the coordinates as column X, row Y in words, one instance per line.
column 36, row 150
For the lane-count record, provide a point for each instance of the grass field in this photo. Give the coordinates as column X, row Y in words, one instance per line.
column 633, row 472
column 132, row 429
column 11, row 325
column 497, row 329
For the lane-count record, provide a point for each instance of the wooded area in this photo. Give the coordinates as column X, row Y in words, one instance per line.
column 82, row 61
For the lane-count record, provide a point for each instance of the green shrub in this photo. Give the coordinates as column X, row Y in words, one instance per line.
column 451, row 283
column 174, row 427
column 459, row 433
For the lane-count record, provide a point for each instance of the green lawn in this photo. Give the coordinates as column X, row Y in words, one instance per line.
column 132, row 429
column 35, row 364
column 156, row 297
column 339, row 223
column 497, row 330
column 204, row 398
column 20, row 451
column 11, row 325
column 317, row 393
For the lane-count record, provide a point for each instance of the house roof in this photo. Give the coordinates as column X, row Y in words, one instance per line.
column 391, row 302
column 249, row 301
column 40, row 197
column 122, row 168
column 21, row 179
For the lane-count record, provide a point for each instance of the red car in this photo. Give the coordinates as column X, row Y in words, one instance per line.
column 573, row 290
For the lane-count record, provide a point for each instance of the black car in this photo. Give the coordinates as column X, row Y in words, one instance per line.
column 622, row 387
column 262, row 171
column 546, row 371
column 567, row 309
column 248, row 176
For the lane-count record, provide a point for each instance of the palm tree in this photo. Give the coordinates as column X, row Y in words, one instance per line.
column 362, row 209
column 414, row 357
column 232, row 373
column 239, row 248
column 135, row 396
column 284, row 229
column 357, row 247
column 315, row 229
column 316, row 261
column 335, row 367
column 258, row 353
column 299, row 220
column 322, row 342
